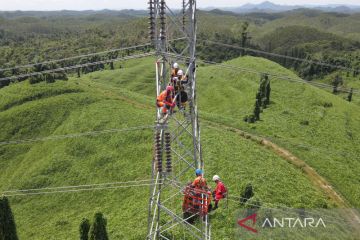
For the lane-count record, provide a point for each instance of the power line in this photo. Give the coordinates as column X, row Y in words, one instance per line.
column 76, row 186
column 264, row 204
column 281, row 56
column 281, row 77
column 81, row 56
column 76, row 190
column 76, row 66
column 76, row 135
column 74, row 57
column 106, row 186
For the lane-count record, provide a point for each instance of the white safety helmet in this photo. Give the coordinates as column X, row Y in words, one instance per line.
column 176, row 65
column 180, row 73
column 216, row 178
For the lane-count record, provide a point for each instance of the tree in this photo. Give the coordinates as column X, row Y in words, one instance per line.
column 257, row 110
column 7, row 221
column 264, row 81
column 349, row 98
column 50, row 77
column 268, row 92
column 336, row 83
column 247, row 194
column 84, row 229
column 112, row 55
column 98, row 229
column 244, row 37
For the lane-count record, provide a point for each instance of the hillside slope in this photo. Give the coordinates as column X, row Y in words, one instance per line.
column 329, row 142
column 124, row 98
column 346, row 25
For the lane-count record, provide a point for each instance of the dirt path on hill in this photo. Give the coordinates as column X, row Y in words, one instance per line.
column 318, row 180
column 350, row 214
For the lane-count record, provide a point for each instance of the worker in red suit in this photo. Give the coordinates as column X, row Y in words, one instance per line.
column 219, row 192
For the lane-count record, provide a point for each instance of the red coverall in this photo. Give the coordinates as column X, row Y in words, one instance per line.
column 219, row 192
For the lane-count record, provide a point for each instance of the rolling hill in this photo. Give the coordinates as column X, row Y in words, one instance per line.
column 124, row 98
column 345, row 25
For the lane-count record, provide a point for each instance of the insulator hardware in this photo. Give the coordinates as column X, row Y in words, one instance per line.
column 158, row 151
column 162, row 20
column 152, row 20
column 168, row 152
column 183, row 13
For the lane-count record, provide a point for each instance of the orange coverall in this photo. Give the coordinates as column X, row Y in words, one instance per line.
column 165, row 101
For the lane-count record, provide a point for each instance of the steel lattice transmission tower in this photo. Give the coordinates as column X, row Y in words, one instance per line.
column 177, row 149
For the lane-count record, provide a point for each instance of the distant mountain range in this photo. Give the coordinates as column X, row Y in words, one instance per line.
column 126, row 13
column 270, row 7
column 264, row 7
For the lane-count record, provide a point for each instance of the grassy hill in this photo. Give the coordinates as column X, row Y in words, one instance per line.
column 125, row 98
column 346, row 25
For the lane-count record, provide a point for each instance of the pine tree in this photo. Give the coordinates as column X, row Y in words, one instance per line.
column 268, row 92
column 244, row 37
column 263, row 85
column 336, row 83
column 84, row 229
column 258, row 95
column 98, row 229
column 257, row 110
column 350, row 95
column 7, row 221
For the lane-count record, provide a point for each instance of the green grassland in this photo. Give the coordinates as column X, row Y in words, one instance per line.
column 120, row 99
column 125, row 98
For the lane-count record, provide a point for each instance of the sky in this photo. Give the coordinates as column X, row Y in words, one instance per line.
column 142, row 4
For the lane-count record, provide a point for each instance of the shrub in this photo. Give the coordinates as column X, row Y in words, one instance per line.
column 247, row 193
column 98, row 229
column 7, row 221
column 305, row 122
column 84, row 229
column 327, row 104
column 36, row 79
